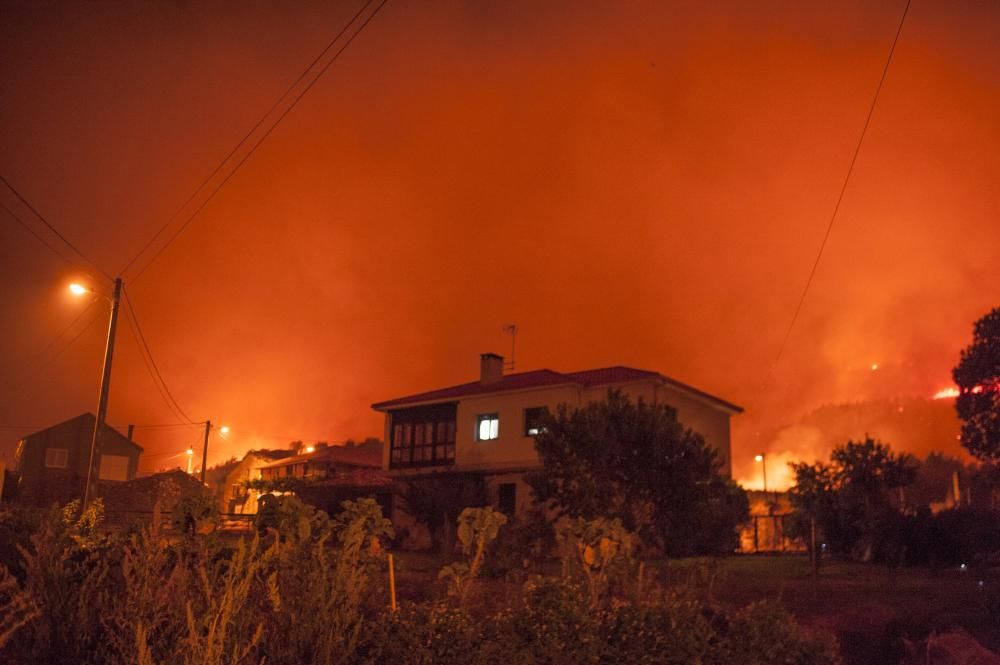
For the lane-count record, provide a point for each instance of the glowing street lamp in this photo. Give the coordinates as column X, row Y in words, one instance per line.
column 78, row 289
column 760, row 457
column 224, row 429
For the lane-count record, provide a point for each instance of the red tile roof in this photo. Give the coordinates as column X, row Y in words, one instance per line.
column 546, row 377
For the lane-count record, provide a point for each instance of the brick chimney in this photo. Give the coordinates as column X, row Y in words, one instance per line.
column 490, row 368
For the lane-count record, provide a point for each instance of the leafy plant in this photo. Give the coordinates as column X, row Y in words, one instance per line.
column 599, row 550
column 84, row 527
column 195, row 512
column 477, row 528
column 291, row 519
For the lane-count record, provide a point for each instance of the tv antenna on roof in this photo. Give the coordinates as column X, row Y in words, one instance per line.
column 511, row 329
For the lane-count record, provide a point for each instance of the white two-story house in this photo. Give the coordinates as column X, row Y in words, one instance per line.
column 488, row 426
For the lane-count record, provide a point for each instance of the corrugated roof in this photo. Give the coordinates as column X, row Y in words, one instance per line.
column 546, row 377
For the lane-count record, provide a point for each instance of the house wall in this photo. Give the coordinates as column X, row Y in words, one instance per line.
column 508, row 456
column 40, row 485
column 512, row 449
column 245, row 470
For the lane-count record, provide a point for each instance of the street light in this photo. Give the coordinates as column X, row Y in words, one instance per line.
column 760, row 457
column 224, row 429
column 102, row 401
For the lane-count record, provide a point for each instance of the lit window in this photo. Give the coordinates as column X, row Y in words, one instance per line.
column 56, row 458
column 533, row 418
column 487, row 426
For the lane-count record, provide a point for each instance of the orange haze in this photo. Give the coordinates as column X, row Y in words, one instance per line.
column 632, row 183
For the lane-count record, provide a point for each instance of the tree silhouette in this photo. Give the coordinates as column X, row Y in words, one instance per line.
column 638, row 463
column 850, row 497
column 978, row 378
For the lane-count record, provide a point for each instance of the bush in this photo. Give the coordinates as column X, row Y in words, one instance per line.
column 673, row 632
column 427, row 634
column 17, row 526
column 298, row 598
column 766, row 634
column 195, row 512
column 522, row 546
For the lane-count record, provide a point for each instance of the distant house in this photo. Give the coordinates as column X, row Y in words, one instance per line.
column 236, row 498
column 332, row 474
column 488, row 426
column 52, row 463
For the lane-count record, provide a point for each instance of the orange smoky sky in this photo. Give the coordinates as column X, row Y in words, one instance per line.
column 644, row 184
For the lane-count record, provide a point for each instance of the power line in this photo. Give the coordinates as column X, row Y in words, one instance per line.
column 243, row 140
column 151, row 364
column 38, row 236
column 50, row 226
column 52, row 342
column 266, row 134
column 169, row 425
column 843, row 189
column 45, row 367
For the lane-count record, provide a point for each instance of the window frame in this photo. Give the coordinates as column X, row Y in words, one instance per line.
column 65, row 458
column 110, row 467
column 540, row 411
column 422, row 436
column 488, row 417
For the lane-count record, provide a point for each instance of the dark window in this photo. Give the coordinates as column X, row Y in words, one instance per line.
column 423, row 436
column 56, row 458
column 487, row 427
column 533, row 419
column 507, row 498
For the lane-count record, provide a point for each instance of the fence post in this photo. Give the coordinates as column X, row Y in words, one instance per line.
column 392, row 584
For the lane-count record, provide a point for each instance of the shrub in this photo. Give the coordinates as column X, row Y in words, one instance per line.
column 522, row 546
column 673, row 632
column 17, row 526
column 766, row 634
column 291, row 519
column 195, row 512
column 553, row 625
column 427, row 634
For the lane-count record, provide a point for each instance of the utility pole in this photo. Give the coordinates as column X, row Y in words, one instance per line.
column 102, row 402
column 204, row 452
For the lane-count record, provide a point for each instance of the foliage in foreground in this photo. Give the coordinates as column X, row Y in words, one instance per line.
column 555, row 625
column 310, row 591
